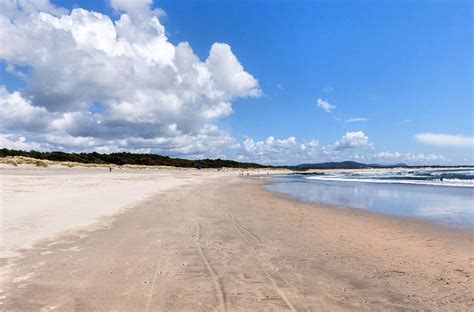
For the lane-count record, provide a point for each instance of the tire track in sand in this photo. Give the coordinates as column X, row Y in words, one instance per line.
column 164, row 244
column 215, row 279
column 242, row 231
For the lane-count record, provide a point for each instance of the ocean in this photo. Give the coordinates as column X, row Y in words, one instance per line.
column 440, row 196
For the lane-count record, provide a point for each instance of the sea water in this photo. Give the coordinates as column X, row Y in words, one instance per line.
column 439, row 196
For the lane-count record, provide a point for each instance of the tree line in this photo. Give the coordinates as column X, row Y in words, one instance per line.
column 124, row 158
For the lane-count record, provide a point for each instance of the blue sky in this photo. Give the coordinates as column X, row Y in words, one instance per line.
column 400, row 70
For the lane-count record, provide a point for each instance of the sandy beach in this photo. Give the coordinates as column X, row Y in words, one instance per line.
column 39, row 203
column 191, row 240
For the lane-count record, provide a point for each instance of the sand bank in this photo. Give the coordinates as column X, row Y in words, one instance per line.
column 228, row 244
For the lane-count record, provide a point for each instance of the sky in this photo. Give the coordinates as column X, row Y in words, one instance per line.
column 274, row 82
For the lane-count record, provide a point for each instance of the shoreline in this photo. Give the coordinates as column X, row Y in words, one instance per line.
column 447, row 207
column 435, row 226
column 406, row 220
column 228, row 243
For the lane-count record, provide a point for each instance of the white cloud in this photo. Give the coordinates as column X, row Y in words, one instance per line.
column 352, row 146
column 446, row 140
column 131, row 5
column 325, row 105
column 392, row 157
column 228, row 74
column 278, row 151
column 310, row 145
column 20, row 143
column 10, row 7
column 19, row 114
column 356, row 139
column 355, row 119
column 160, row 94
column 269, row 146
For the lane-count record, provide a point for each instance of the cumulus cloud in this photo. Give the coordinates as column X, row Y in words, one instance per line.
column 19, row 114
column 352, row 146
column 278, row 151
column 386, row 157
column 355, row 139
column 149, row 92
column 228, row 74
column 310, row 145
column 325, row 105
column 20, row 143
column 446, row 140
column 270, row 145
column 131, row 6
column 355, row 119
column 284, row 151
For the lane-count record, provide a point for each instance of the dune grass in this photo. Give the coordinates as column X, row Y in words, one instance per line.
column 43, row 163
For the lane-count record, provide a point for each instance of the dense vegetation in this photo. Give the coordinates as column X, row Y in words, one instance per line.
column 129, row 158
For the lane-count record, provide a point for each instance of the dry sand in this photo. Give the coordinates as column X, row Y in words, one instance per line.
column 38, row 203
column 225, row 243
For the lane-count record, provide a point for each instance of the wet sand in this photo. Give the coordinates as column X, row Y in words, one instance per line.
column 229, row 244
